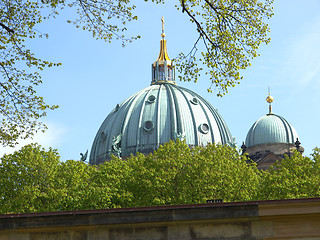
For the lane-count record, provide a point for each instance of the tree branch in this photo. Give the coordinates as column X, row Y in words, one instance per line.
column 199, row 27
column 6, row 28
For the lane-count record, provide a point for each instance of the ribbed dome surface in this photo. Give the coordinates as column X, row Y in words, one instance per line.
column 155, row 115
column 271, row 128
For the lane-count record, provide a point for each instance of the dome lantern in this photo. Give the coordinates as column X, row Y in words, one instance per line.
column 163, row 70
column 270, row 138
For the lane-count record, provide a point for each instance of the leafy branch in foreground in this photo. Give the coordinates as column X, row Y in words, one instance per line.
column 20, row 106
column 230, row 33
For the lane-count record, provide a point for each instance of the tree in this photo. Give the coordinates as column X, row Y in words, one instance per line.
column 78, row 187
column 294, row 177
column 27, row 180
column 176, row 174
column 20, row 107
column 34, row 180
column 231, row 32
column 110, row 184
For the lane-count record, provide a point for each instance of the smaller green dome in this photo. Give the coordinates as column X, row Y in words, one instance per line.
column 271, row 128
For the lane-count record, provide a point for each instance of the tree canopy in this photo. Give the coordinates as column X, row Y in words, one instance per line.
column 230, row 33
column 35, row 180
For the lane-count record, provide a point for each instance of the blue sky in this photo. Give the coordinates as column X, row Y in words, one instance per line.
column 95, row 75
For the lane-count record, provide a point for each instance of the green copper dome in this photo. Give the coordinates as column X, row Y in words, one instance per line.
column 269, row 129
column 157, row 114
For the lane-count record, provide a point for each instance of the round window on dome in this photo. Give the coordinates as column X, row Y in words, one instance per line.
column 204, row 128
column 151, row 99
column 148, row 126
column 194, row 101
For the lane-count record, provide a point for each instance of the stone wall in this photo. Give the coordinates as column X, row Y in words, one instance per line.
column 286, row 219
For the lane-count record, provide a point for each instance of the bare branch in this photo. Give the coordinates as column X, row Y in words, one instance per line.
column 199, row 27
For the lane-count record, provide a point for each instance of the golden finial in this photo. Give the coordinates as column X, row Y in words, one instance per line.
column 269, row 100
column 163, row 67
column 163, row 48
column 162, row 34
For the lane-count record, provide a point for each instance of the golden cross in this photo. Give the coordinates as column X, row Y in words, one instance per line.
column 163, row 34
column 162, row 20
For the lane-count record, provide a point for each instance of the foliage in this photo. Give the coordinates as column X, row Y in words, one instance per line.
column 34, row 180
column 76, row 190
column 294, row 177
column 114, row 176
column 20, row 107
column 176, row 174
column 27, row 180
column 231, row 32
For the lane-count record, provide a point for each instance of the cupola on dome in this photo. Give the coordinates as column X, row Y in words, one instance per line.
column 157, row 114
column 271, row 128
column 270, row 139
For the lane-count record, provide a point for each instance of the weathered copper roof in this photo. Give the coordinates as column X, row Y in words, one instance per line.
column 271, row 128
column 155, row 115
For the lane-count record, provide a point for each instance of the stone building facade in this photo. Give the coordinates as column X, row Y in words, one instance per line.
column 261, row 220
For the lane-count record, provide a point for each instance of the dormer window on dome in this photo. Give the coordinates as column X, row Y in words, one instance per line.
column 163, row 70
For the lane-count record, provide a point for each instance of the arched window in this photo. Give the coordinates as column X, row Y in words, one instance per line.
column 169, row 73
column 161, row 73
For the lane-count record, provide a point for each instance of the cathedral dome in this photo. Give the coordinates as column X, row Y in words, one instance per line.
column 271, row 128
column 157, row 114
column 270, row 139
